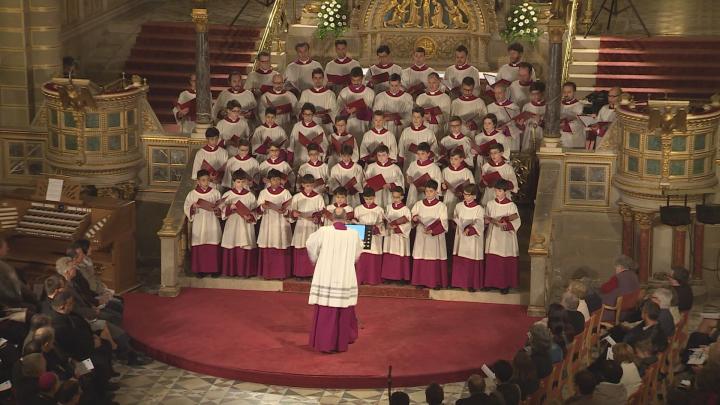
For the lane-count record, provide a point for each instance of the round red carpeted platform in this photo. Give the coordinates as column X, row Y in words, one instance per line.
column 263, row 337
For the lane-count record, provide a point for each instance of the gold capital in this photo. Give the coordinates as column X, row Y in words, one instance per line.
column 556, row 30
column 644, row 219
column 626, row 212
column 200, row 18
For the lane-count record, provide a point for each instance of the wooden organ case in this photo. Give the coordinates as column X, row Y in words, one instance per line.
column 40, row 229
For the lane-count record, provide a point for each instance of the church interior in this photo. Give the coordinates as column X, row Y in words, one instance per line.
column 534, row 186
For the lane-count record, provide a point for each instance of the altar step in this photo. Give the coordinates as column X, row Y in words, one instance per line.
column 656, row 67
column 164, row 54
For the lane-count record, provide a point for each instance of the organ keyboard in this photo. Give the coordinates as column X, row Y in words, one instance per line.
column 41, row 230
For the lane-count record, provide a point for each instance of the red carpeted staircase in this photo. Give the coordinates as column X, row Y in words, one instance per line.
column 164, row 53
column 655, row 67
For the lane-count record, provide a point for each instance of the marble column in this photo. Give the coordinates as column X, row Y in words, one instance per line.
column 628, row 230
column 679, row 233
column 202, row 71
column 698, row 241
column 556, row 30
column 644, row 257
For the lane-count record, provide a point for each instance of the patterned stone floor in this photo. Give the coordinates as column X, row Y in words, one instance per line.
column 159, row 383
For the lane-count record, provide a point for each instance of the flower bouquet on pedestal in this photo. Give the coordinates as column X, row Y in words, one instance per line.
column 521, row 24
column 332, row 19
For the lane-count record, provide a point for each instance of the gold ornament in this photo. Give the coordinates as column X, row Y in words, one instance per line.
column 413, row 20
column 438, row 15
column 428, row 44
column 456, row 17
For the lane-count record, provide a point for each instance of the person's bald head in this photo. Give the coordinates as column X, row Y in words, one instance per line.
column 45, row 336
column 476, row 384
column 339, row 214
column 33, row 364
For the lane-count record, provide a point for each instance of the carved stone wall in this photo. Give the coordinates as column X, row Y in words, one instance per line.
column 436, row 25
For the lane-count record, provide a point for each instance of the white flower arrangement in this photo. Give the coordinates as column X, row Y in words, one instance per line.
column 332, row 19
column 521, row 24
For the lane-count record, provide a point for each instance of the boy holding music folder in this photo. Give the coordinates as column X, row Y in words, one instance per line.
column 455, row 178
column 369, row 266
column 304, row 133
column 419, row 172
column 396, row 243
column 347, row 174
column 275, row 236
column 245, row 162
column 239, row 255
column 429, row 216
column 414, row 135
column 233, row 127
column 338, row 139
column 266, row 134
column 316, row 168
column 382, row 176
column 457, row 140
column 469, row 217
column 355, row 102
column 488, row 137
column 376, row 136
column 276, row 162
column 306, row 209
column 211, row 158
column 339, row 201
column 501, row 244
column 495, row 169
column 202, row 210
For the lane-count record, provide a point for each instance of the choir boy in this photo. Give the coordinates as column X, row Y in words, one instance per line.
column 184, row 110
column 469, row 217
column 274, row 237
column 282, row 101
column 323, row 99
column 420, row 172
column 383, row 176
column 304, row 133
column 259, row 80
column 233, row 127
column 396, row 104
column 378, row 135
column 495, row 169
column 306, row 208
column 338, row 69
column 396, row 243
column 520, row 88
column 245, row 162
column 437, row 105
column 276, row 162
column 468, row 107
column 415, row 78
column 236, row 92
column 347, row 174
column 338, row 139
column 455, row 177
column 201, row 209
column 501, row 245
column 269, row 133
column 339, row 201
column 378, row 75
column 239, row 255
column 458, row 73
column 605, row 117
column 505, row 111
column 316, row 168
column 299, row 71
column 429, row 215
column 533, row 125
column 456, row 140
column 572, row 130
column 369, row 267
column 356, row 101
column 414, row 135
column 489, row 136
column 509, row 71
column 211, row 158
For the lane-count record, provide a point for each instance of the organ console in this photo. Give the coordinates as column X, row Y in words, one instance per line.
column 43, row 223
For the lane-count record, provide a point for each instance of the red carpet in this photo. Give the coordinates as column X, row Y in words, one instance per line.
column 263, row 337
column 679, row 67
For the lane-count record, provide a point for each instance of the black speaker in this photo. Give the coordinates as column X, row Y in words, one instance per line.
column 708, row 213
column 675, row 215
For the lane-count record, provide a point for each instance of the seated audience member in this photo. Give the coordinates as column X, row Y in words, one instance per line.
column 434, row 394
column 624, row 282
column 69, row 393
column 36, row 322
column 680, row 281
column 399, row 398
column 645, row 356
column 705, row 334
column 585, row 383
column 579, row 290
column 648, row 329
column 476, row 388
column 48, row 384
column 663, row 297
column 525, row 374
column 624, row 354
column 539, row 344
column 17, row 303
column 610, row 390
column 562, row 331
column 86, row 267
column 25, row 374
column 503, row 371
column 576, row 319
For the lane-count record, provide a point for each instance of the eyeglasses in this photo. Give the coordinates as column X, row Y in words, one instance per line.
column 235, row 110
column 307, row 114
